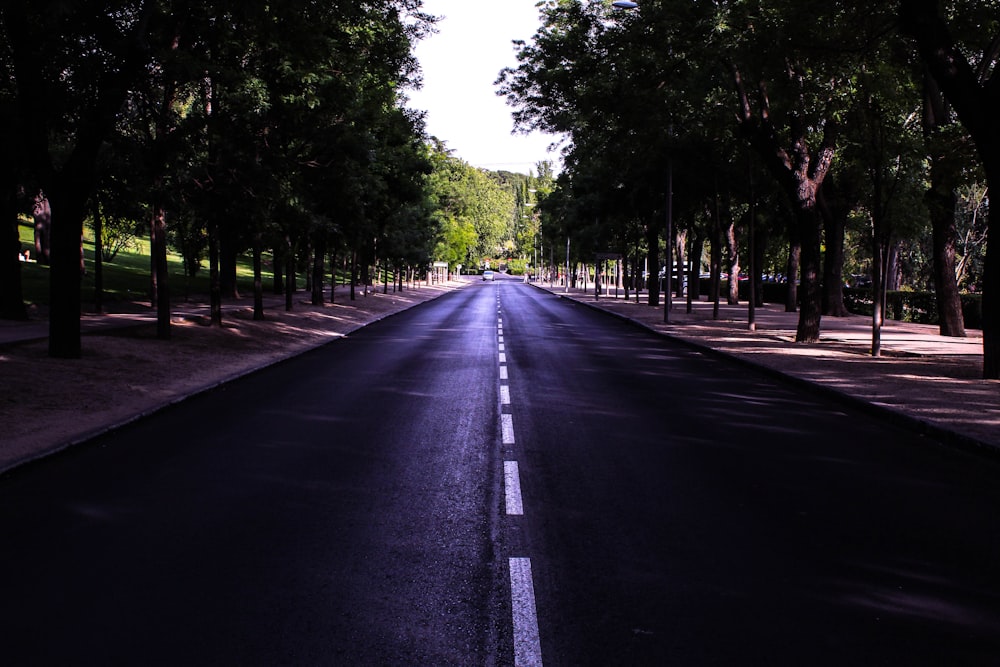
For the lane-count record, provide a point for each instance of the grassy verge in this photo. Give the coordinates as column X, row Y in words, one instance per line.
column 127, row 278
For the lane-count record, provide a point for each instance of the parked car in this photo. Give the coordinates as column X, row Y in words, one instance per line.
column 487, row 275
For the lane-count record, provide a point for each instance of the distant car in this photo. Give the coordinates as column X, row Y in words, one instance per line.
column 487, row 275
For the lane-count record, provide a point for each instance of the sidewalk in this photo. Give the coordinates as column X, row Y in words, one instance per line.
column 923, row 380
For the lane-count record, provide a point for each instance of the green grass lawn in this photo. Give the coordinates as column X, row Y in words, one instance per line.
column 128, row 277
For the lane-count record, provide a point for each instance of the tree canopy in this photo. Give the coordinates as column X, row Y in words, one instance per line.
column 729, row 102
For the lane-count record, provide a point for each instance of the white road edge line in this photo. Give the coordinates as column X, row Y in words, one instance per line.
column 512, row 489
column 527, row 649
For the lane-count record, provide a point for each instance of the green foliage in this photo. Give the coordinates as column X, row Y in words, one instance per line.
column 127, row 278
column 473, row 210
column 517, row 267
column 632, row 89
column 913, row 306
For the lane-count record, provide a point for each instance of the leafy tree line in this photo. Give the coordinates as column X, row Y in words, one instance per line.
column 484, row 216
column 225, row 126
column 805, row 139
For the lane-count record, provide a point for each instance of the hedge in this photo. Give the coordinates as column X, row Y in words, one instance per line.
column 904, row 306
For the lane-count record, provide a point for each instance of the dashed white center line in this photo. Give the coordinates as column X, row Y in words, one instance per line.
column 527, row 649
column 507, row 429
column 512, row 488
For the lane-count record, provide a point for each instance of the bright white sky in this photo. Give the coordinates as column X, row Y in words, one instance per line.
column 460, row 63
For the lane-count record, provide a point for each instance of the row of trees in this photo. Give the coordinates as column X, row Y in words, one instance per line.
column 752, row 123
column 228, row 126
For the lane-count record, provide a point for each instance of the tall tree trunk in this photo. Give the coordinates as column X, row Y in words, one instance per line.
column 333, row 275
column 42, row 216
column 289, row 274
column 258, row 278
column 278, row 283
column 11, row 294
column 809, row 272
column 98, row 257
column 972, row 93
column 834, row 210
column 158, row 254
column 760, row 252
column 942, row 200
column 680, row 263
column 991, row 283
column 694, row 255
column 715, row 255
column 800, row 172
column 228, row 255
column 354, row 273
column 318, row 269
column 30, row 37
column 68, row 201
column 732, row 259
column 880, row 255
column 653, row 264
column 792, row 268
column 214, row 289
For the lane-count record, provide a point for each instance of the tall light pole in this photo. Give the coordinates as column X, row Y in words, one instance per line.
column 567, row 262
column 668, row 300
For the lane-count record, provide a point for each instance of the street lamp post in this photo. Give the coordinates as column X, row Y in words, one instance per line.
column 567, row 264
column 668, row 301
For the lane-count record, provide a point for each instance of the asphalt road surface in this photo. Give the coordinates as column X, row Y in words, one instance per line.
column 502, row 477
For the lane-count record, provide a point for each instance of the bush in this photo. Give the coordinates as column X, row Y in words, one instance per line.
column 902, row 306
column 917, row 307
column 517, row 267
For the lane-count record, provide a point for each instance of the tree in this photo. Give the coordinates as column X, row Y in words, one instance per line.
column 974, row 91
column 468, row 199
column 943, row 140
column 790, row 112
column 72, row 68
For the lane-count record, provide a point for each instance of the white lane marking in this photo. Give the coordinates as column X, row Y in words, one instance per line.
column 507, row 429
column 527, row 649
column 501, row 338
column 512, row 488
column 501, row 347
column 503, row 372
column 503, row 358
column 504, row 395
